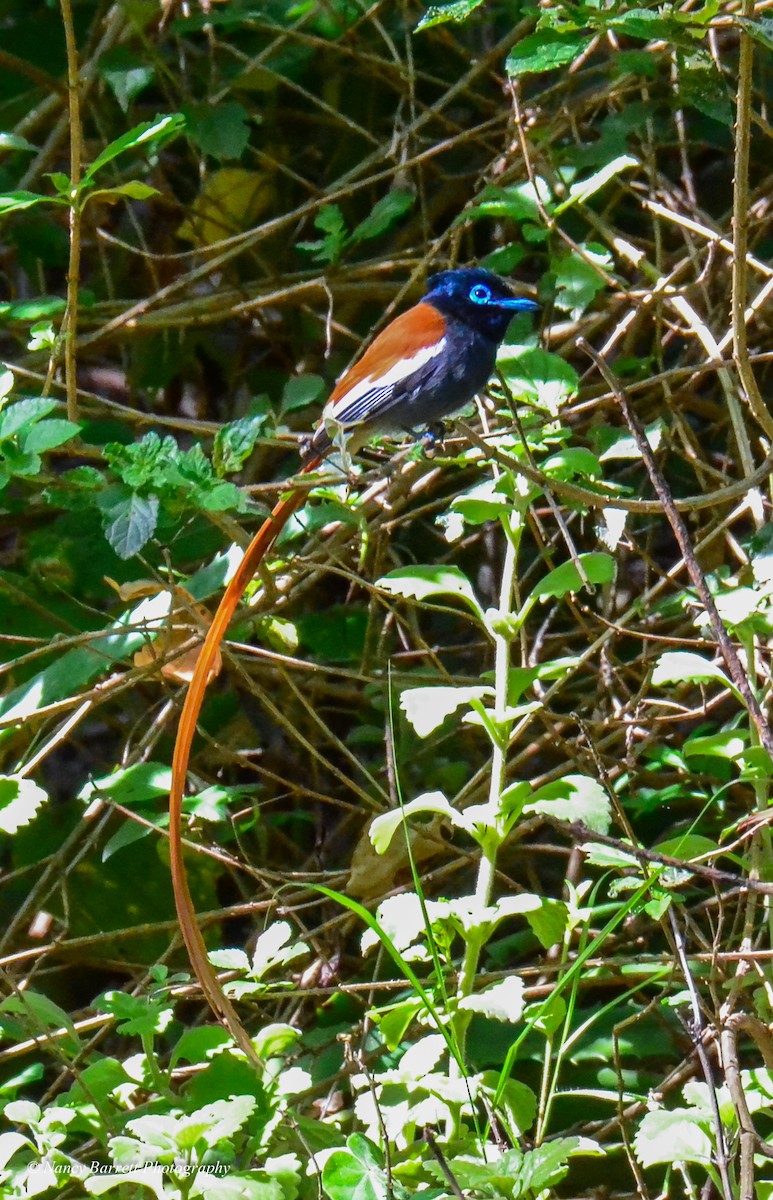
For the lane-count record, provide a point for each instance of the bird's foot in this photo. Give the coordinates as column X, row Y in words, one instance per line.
column 429, row 440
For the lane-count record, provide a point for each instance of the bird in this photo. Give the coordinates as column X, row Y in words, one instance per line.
column 428, row 363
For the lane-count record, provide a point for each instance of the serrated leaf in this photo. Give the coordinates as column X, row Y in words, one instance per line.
column 20, row 800
column 137, row 1015
column 384, row 827
column 544, row 51
column 47, row 435
column 438, row 14
column 426, row 708
column 132, row 524
column 574, row 798
column 24, row 412
column 702, row 86
column 234, row 443
column 538, row 377
column 577, row 280
column 503, row 1001
column 427, row 582
column 672, row 1135
column 684, row 666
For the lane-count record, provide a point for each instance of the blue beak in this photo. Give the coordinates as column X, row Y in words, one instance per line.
column 518, row 304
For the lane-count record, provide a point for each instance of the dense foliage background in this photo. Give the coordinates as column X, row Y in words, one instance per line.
column 546, row 968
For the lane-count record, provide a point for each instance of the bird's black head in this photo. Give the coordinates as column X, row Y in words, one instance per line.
column 478, row 298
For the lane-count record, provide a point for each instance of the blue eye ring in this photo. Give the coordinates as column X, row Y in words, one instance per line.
column 480, row 294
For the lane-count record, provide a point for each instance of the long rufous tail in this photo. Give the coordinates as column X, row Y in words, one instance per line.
column 186, row 913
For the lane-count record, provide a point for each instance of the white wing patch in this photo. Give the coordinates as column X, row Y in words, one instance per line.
column 368, row 394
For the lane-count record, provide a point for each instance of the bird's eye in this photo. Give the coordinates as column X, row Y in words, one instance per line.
column 480, row 294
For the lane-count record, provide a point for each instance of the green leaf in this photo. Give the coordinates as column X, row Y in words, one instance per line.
column 45, row 1013
column 140, row 1016
column 384, row 827
column 125, row 73
column 10, row 1144
column 331, row 222
column 544, row 51
column 147, row 133
column 702, row 87
column 576, row 279
column 356, row 1173
column 761, row 29
column 503, row 1001
column 134, row 189
column 688, row 847
column 728, row 744
column 426, row 708
column 14, row 417
column 485, row 501
column 274, row 948
column 608, row 856
column 131, row 785
column 599, row 568
column 519, row 203
column 619, row 444
column 34, row 310
column 547, row 1164
column 220, row 130
column 585, row 188
column 300, row 391
column 13, row 141
column 571, row 462
column 672, row 1135
column 517, row 1104
column 646, row 24
column 683, row 666
column 426, row 582
column 235, row 442
column 20, row 462
column 131, row 523
column 48, row 434
column 574, row 798
column 457, row 10
column 538, row 377
column 62, row 183
column 113, row 643
column 12, row 201
column 385, row 213
column 20, row 800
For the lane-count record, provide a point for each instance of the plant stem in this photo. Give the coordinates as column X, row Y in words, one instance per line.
column 741, row 223
column 512, row 526
column 69, row 329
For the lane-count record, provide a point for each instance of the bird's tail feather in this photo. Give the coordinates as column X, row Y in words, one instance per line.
column 186, row 912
